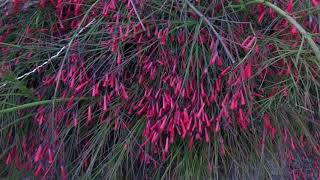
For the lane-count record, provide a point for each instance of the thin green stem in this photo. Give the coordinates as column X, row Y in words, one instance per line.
column 37, row 103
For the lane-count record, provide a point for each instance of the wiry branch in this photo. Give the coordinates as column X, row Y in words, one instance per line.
column 213, row 29
column 136, row 12
column 51, row 58
column 292, row 21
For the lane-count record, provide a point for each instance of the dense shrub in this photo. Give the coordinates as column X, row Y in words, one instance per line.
column 160, row 89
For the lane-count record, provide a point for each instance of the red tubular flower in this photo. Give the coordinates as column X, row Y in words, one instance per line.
column 212, row 44
column 50, row 156
column 184, row 130
column 262, row 12
column 285, row 92
column 37, row 157
column 114, row 44
column 206, row 135
column 127, row 31
column 40, row 116
column 121, row 33
column 289, row 8
column 9, row 159
column 198, row 115
column 77, row 7
column 164, row 120
column 96, row 87
column 93, row 91
column 63, row 173
column 38, row 170
column 89, row 118
column 242, row 120
column 112, row 5
column 124, row 92
column 217, row 128
column 75, row 122
column 171, row 133
column 158, row 33
column 224, row 102
column 18, row 162
column 266, row 122
column 135, row 31
column 247, row 43
column 42, row 3
column 81, row 86
column 214, row 58
column 233, row 103
column 199, row 126
column 247, row 71
column 315, row 3
column 118, row 57
column 154, row 137
column 242, row 100
column 294, row 30
column 164, row 36
column 224, row 72
column 59, row 5
column 166, row 149
column 189, row 123
column 105, row 11
column 205, row 116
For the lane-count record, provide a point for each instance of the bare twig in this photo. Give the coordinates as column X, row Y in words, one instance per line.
column 136, row 12
column 51, row 58
column 298, row 26
column 213, row 29
column 302, row 31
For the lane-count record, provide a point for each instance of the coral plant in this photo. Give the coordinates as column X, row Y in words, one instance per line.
column 160, row 89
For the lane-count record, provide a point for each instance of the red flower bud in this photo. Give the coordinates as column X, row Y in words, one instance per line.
column 315, row 3
column 50, row 156
column 38, row 170
column 38, row 153
column 63, row 173
column 166, row 150
column 247, row 43
column 289, row 8
column 89, row 118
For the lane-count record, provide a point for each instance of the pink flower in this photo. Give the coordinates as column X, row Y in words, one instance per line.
column 9, row 159
column 118, row 57
column 38, row 170
column 89, row 118
column 315, row 3
column 124, row 92
column 50, row 156
column 164, row 120
column 248, row 42
column 166, row 150
column 214, row 58
column 42, row 3
column 289, row 8
column 37, row 157
column 63, row 173
column 262, row 12
column 75, row 122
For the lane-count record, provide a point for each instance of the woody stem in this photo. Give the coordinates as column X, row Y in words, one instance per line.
column 292, row 21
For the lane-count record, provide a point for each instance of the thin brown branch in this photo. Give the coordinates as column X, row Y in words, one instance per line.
column 213, row 29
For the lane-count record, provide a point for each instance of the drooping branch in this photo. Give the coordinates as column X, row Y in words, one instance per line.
column 213, row 29
column 292, row 21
